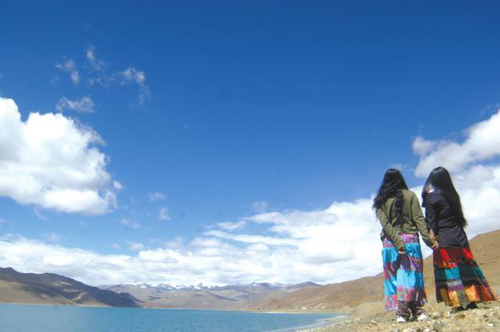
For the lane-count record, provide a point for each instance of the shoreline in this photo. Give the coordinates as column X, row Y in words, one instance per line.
column 284, row 311
column 327, row 323
column 255, row 311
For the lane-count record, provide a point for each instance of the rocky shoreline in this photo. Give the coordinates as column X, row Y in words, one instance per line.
column 372, row 319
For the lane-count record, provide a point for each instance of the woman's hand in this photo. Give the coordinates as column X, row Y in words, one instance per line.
column 435, row 246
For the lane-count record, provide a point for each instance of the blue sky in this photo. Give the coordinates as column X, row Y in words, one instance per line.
column 235, row 109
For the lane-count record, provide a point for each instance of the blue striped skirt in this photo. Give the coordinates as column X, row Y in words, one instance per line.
column 403, row 274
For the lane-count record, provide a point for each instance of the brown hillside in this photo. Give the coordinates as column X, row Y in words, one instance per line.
column 48, row 288
column 485, row 247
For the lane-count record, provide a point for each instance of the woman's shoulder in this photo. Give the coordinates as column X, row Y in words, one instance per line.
column 433, row 197
column 409, row 194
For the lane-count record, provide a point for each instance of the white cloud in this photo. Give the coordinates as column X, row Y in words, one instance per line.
column 95, row 63
column 231, row 226
column 38, row 214
column 69, row 66
column 99, row 73
column 209, row 259
column 84, row 105
column 176, row 243
column 260, row 206
column 135, row 246
column 163, row 215
column 206, row 242
column 51, row 237
column 157, row 196
column 52, row 162
column 475, row 171
column 479, row 189
column 248, row 238
column 134, row 76
column 131, row 223
column 482, row 143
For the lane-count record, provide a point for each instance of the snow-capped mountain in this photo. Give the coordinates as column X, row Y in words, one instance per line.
column 237, row 296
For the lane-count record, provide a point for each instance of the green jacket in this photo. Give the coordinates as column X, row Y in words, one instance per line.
column 412, row 220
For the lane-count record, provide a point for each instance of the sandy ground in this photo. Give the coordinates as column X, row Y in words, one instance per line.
column 371, row 317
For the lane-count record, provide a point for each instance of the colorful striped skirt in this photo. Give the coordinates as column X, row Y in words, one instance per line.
column 403, row 274
column 459, row 280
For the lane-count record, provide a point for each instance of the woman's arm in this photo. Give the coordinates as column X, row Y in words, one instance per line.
column 431, row 215
column 418, row 218
column 389, row 230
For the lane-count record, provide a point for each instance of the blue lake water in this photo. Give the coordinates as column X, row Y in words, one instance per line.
column 37, row 318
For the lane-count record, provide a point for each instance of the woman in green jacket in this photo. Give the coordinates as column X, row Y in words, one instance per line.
column 400, row 215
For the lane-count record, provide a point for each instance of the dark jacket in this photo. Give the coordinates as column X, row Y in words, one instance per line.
column 412, row 220
column 440, row 218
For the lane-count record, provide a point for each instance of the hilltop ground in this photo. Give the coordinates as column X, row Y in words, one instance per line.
column 371, row 317
column 486, row 318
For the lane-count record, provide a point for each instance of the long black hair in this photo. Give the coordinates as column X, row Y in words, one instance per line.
column 440, row 181
column 392, row 186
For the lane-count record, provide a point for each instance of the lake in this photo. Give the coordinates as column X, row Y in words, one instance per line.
column 42, row 318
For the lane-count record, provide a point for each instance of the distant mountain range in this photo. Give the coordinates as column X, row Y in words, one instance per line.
column 239, row 296
column 55, row 289
column 48, row 288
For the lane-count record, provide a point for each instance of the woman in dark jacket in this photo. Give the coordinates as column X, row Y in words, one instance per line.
column 401, row 217
column 460, row 283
